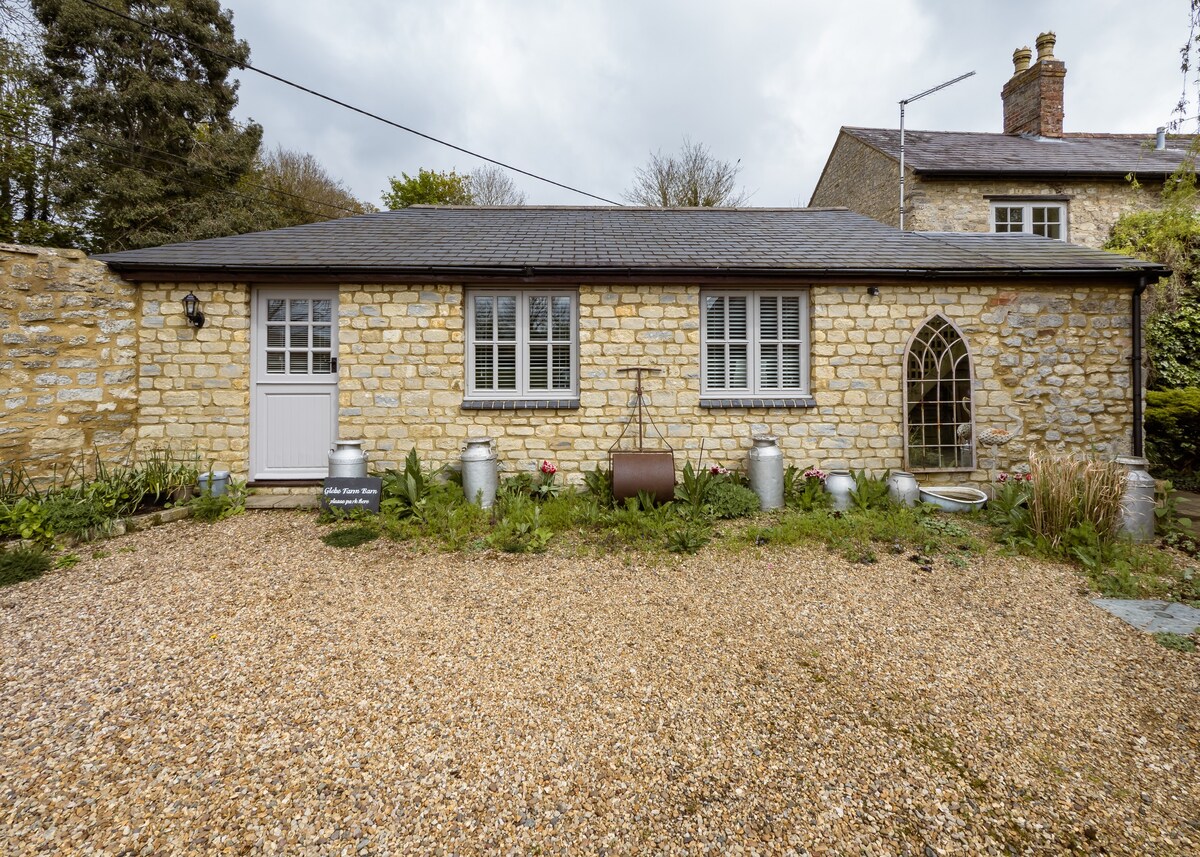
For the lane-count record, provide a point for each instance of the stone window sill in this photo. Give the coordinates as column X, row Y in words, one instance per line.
column 520, row 404
column 761, row 402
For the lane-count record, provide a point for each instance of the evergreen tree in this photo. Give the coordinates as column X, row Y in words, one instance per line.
column 151, row 148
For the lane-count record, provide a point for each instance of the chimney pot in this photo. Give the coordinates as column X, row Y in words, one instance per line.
column 1033, row 96
column 1160, row 141
column 1045, row 46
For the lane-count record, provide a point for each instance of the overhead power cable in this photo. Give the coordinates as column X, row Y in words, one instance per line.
column 340, row 103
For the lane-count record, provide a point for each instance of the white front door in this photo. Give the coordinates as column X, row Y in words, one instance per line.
column 294, row 401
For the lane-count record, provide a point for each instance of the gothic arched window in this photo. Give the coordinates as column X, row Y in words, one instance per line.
column 937, row 399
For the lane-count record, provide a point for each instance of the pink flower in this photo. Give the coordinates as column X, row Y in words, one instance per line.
column 718, row 470
column 815, row 473
column 1003, row 477
column 548, row 468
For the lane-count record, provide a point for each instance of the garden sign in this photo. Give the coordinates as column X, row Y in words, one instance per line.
column 352, row 492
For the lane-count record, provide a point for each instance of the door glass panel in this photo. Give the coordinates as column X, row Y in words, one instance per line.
column 320, row 336
column 275, row 363
column 275, row 336
column 322, row 310
column 322, row 362
column 299, row 336
column 298, row 363
column 300, row 310
column 276, row 309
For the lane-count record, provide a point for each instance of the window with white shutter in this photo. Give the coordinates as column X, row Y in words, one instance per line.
column 754, row 343
column 521, row 344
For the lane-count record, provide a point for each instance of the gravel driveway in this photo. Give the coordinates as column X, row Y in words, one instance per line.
column 241, row 688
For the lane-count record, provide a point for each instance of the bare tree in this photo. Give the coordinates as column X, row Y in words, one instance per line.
column 691, row 178
column 302, row 190
column 491, row 185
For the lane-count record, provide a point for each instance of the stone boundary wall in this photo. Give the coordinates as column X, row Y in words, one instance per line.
column 68, row 360
column 1056, row 356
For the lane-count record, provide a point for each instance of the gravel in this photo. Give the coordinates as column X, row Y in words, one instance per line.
column 242, row 688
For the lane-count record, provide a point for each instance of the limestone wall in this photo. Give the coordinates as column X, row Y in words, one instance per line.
column 862, row 179
column 1092, row 206
column 68, row 345
column 194, row 383
column 1062, row 351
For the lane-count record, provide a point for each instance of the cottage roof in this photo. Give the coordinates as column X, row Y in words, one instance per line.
column 964, row 153
column 489, row 242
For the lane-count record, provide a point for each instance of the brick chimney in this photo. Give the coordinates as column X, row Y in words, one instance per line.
column 1033, row 97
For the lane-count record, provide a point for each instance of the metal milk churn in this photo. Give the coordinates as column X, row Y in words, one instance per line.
column 479, row 471
column 903, row 488
column 347, row 459
column 1137, row 504
column 839, row 484
column 766, row 471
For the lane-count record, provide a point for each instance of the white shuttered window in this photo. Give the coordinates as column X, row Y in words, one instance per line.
column 755, row 343
column 522, row 344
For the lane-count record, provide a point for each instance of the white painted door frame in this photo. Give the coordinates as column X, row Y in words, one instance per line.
column 293, row 384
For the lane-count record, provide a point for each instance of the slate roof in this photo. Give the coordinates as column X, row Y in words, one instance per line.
column 964, row 153
column 618, row 242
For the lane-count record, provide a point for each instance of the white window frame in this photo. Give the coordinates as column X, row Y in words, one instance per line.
column 1027, row 207
column 753, row 341
column 523, row 391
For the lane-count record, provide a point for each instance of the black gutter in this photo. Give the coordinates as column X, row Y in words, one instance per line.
column 350, row 274
column 1138, row 429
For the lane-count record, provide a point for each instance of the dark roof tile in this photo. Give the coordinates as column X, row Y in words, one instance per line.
column 501, row 240
column 963, row 152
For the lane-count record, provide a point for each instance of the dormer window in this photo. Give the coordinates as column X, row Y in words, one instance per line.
column 1048, row 219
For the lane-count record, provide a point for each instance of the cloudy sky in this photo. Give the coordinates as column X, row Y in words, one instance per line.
column 582, row 92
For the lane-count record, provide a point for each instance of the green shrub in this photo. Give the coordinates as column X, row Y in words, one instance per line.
column 522, row 532
column 350, row 537
column 869, row 493
column 22, row 564
column 688, row 539
column 1173, row 431
column 598, row 484
column 208, row 507
column 693, row 491
column 404, row 492
column 1173, row 342
column 805, row 490
column 727, row 499
column 83, row 515
column 1175, row 642
column 26, row 518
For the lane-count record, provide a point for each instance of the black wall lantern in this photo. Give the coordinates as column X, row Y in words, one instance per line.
column 191, row 308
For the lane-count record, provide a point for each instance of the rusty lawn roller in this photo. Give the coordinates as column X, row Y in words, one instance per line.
column 641, row 469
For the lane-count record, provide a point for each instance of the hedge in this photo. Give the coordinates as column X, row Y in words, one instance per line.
column 1173, row 431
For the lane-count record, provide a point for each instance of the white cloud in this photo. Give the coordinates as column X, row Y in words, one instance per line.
column 583, row 91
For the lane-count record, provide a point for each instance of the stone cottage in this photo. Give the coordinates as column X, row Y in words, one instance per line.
column 856, row 344
column 1033, row 177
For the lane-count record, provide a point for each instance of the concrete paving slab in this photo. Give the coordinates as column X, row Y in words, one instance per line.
column 1154, row 617
column 258, row 502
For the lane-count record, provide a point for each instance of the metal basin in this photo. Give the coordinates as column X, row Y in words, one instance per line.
column 958, row 499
